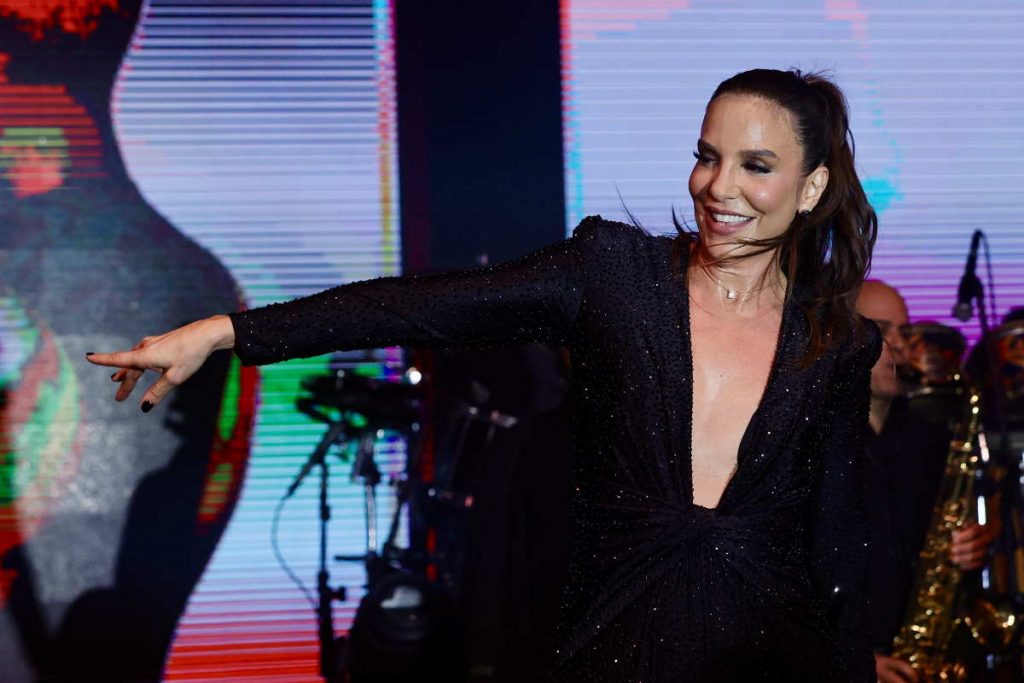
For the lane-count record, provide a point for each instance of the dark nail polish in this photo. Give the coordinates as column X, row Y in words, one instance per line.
column 90, row 353
column 146, row 406
column 113, row 375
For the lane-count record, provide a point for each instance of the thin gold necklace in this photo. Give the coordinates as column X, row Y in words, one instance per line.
column 733, row 294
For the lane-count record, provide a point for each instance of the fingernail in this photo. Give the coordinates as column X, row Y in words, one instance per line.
column 146, row 406
column 113, row 375
column 90, row 353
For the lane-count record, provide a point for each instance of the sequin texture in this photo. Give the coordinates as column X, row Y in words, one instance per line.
column 768, row 586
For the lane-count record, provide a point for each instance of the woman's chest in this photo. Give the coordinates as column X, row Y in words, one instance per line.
column 732, row 360
column 676, row 406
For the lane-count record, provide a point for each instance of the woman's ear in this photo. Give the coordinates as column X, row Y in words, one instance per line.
column 814, row 186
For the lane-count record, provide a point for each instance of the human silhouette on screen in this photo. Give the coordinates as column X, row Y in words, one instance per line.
column 108, row 522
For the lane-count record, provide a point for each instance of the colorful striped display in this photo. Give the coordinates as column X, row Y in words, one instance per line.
column 265, row 131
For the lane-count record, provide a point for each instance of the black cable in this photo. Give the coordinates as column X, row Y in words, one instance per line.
column 280, row 557
column 991, row 279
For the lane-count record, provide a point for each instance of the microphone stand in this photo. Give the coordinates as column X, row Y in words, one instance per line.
column 325, row 594
column 328, row 392
column 971, row 288
column 998, row 403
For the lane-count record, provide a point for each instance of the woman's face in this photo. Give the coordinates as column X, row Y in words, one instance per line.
column 748, row 182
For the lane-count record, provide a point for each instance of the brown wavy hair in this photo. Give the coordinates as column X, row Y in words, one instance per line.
column 826, row 254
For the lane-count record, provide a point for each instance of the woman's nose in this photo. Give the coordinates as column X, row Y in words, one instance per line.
column 723, row 184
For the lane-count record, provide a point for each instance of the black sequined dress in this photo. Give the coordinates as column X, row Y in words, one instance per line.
column 770, row 584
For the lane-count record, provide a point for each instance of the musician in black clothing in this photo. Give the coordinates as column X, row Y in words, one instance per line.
column 906, row 457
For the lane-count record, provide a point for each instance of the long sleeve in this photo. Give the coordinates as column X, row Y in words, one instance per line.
column 840, row 531
column 534, row 298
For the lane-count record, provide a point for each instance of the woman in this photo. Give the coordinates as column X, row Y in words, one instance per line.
column 721, row 385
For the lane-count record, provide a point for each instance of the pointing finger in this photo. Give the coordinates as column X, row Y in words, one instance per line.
column 120, row 359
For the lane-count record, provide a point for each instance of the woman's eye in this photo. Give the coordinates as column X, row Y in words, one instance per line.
column 703, row 158
column 757, row 168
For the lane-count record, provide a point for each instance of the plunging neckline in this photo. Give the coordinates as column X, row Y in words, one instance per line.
column 762, row 401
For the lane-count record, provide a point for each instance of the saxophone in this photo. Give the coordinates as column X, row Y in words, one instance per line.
column 939, row 604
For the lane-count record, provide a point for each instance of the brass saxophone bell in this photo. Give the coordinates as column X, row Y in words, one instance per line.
column 953, row 672
column 994, row 628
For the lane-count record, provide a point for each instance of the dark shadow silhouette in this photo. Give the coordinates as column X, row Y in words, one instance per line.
column 98, row 585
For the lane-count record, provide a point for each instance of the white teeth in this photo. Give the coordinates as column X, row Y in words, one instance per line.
column 729, row 218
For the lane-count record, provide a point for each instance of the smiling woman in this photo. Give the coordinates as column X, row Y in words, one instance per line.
column 775, row 182
column 761, row 170
column 741, row 186
column 721, row 398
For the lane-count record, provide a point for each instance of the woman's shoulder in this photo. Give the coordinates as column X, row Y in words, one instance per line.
column 857, row 340
column 620, row 257
column 863, row 344
column 596, row 237
column 600, row 229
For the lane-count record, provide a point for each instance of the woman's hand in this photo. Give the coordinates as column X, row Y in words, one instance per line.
column 175, row 355
column 892, row 670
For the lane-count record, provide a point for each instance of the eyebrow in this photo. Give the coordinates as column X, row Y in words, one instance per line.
column 766, row 153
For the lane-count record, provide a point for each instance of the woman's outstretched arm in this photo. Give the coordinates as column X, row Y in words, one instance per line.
column 534, row 298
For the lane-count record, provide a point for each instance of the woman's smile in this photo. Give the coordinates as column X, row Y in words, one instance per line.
column 726, row 222
column 748, row 180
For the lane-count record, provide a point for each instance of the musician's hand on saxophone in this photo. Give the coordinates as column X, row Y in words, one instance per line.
column 892, row 670
column 970, row 545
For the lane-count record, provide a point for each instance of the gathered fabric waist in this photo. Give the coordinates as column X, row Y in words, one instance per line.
column 691, row 547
